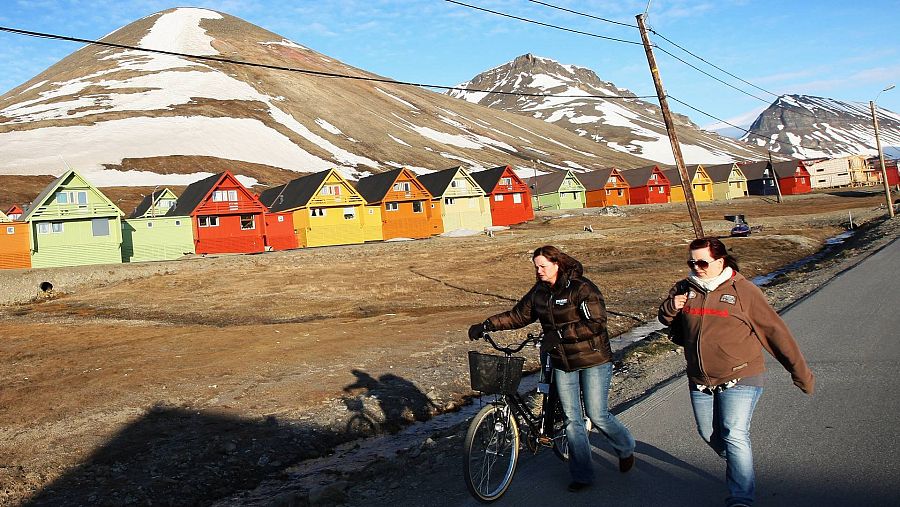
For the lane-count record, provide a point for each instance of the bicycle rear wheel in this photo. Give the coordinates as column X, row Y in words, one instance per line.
column 491, row 452
column 560, row 441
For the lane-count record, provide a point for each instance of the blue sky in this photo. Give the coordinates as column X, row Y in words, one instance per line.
column 832, row 48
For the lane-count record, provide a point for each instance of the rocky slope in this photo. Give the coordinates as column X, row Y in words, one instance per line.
column 126, row 116
column 598, row 110
column 804, row 126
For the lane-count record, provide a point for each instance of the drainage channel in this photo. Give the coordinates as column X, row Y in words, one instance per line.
column 830, row 244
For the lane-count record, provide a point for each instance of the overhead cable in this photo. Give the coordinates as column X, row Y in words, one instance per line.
column 301, row 70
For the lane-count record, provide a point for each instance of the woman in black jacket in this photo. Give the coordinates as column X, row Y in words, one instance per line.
column 573, row 317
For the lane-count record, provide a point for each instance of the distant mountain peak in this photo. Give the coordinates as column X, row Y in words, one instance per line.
column 622, row 122
column 806, row 126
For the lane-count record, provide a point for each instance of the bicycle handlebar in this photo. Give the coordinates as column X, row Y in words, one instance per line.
column 512, row 350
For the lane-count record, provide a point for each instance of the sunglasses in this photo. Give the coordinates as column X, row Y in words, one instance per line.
column 702, row 264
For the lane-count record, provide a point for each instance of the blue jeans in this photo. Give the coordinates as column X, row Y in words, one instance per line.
column 723, row 421
column 590, row 385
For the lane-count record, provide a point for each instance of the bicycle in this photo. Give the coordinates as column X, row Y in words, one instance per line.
column 491, row 448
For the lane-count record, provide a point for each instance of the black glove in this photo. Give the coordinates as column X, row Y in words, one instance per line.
column 476, row 331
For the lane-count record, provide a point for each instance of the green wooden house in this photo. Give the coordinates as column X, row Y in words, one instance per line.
column 72, row 224
column 557, row 190
column 149, row 235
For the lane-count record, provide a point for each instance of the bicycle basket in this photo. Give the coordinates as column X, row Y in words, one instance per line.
column 492, row 374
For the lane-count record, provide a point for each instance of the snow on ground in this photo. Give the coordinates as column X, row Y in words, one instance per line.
column 529, row 172
column 87, row 148
column 398, row 141
column 285, row 43
column 329, row 127
column 473, row 166
column 179, row 31
column 398, row 99
column 554, row 141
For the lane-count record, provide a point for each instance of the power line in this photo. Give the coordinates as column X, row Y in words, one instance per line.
column 545, row 4
column 548, row 25
column 300, row 70
column 710, row 75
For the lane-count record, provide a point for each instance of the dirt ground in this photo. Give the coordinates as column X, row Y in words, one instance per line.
column 187, row 382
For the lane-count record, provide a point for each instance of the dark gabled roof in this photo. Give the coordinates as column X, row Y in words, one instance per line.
column 295, row 193
column 787, row 168
column 193, row 195
column 374, row 188
column 547, row 183
column 674, row 177
column 488, row 178
column 437, row 182
column 147, row 202
column 640, row 176
column 754, row 170
column 595, row 180
column 719, row 172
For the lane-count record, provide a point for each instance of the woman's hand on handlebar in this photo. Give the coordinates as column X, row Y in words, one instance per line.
column 476, row 332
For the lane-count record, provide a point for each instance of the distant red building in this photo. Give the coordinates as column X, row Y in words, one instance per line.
column 228, row 218
column 649, row 185
column 793, row 177
column 510, row 197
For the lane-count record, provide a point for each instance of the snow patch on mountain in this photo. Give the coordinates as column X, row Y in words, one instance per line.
column 180, row 32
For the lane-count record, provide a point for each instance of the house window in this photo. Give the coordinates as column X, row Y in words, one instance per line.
column 178, row 223
column 517, row 198
column 247, row 223
column 449, row 201
column 391, row 206
column 100, row 226
column 167, row 203
column 371, row 211
column 10, row 230
column 417, row 207
column 72, row 197
column 210, row 221
column 281, row 218
column 330, row 190
column 225, row 195
column 660, row 190
column 317, row 212
column 653, row 177
column 43, row 228
column 349, row 213
column 498, row 197
column 401, row 186
column 620, row 192
column 56, row 227
column 149, row 225
column 612, row 179
column 506, row 181
column 458, row 184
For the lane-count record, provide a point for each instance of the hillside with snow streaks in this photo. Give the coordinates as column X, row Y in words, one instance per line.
column 129, row 117
column 805, row 126
column 626, row 124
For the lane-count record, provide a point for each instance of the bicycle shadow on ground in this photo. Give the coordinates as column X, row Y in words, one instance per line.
column 385, row 404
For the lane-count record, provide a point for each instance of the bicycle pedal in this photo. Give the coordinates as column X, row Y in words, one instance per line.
column 545, row 441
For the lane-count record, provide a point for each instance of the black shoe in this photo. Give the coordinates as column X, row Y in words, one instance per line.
column 576, row 486
column 625, row 464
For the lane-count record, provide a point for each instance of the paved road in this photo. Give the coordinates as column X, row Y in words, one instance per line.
column 840, row 447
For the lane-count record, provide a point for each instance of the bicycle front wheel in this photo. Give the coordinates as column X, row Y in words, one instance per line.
column 491, row 452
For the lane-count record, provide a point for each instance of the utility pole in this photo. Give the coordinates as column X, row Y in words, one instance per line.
column 887, row 187
column 775, row 177
column 670, row 129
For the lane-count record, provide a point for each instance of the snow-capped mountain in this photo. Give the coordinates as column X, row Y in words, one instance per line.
column 628, row 125
column 131, row 117
column 803, row 126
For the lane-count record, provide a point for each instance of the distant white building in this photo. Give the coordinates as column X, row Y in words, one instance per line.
column 829, row 173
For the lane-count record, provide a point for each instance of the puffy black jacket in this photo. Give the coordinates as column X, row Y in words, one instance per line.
column 573, row 316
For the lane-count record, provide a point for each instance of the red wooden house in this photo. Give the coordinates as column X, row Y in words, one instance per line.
column 605, row 187
column 872, row 170
column 648, row 185
column 510, row 197
column 793, row 177
column 227, row 217
column 406, row 210
column 15, row 213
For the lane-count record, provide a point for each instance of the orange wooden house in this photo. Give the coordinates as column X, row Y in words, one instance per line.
column 605, row 187
column 15, row 244
column 228, row 218
column 405, row 204
column 510, row 197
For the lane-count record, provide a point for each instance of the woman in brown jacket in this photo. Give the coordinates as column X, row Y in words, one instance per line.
column 573, row 317
column 724, row 322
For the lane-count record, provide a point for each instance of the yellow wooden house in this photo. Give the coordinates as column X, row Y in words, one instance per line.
column 701, row 184
column 729, row 182
column 326, row 209
column 459, row 201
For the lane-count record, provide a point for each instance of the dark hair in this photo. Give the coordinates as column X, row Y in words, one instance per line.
column 716, row 249
column 567, row 265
